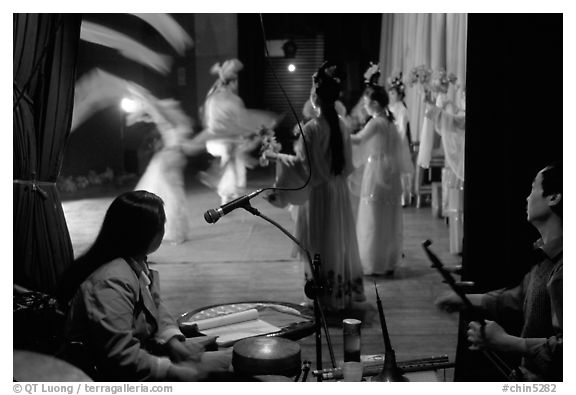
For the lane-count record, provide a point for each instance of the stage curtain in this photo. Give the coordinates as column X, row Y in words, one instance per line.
column 410, row 40
column 44, row 67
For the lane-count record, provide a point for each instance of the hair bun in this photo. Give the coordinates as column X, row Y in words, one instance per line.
column 395, row 82
column 327, row 81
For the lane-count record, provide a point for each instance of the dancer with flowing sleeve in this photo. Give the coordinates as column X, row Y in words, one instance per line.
column 231, row 129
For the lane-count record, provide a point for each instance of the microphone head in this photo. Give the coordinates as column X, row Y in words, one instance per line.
column 211, row 216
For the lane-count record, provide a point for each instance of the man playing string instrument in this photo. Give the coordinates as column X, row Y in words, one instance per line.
column 538, row 297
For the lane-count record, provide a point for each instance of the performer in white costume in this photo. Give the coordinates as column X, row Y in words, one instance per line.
column 449, row 122
column 164, row 175
column 380, row 224
column 401, row 120
column 325, row 223
column 232, row 129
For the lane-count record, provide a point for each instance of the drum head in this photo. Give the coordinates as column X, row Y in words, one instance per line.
column 266, row 356
column 32, row 366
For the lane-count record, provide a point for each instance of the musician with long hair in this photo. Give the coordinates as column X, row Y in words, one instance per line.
column 538, row 297
column 117, row 326
column 325, row 223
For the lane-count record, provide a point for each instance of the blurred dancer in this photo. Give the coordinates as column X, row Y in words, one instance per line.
column 164, row 175
column 379, row 224
column 232, row 129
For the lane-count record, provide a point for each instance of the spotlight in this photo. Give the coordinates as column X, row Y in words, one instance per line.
column 291, row 68
column 128, row 105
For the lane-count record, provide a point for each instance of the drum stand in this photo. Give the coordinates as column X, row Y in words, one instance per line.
column 313, row 290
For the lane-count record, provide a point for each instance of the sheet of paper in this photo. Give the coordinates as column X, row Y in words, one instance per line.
column 228, row 319
column 229, row 334
column 233, row 327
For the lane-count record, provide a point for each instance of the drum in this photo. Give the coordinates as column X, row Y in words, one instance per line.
column 264, row 356
column 33, row 366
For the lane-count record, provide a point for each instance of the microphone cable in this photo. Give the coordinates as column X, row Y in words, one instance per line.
column 259, row 191
column 267, row 57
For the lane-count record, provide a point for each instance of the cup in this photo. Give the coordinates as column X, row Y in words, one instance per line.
column 352, row 371
column 351, row 332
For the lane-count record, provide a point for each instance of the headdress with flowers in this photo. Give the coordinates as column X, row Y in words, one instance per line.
column 395, row 82
column 372, row 75
column 441, row 81
column 228, row 70
column 420, row 75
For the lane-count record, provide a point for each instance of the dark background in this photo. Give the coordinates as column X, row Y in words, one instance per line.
column 513, row 129
column 351, row 40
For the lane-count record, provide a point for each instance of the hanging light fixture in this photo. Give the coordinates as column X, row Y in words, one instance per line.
column 289, row 49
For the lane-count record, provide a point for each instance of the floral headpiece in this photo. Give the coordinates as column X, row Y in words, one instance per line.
column 228, row 70
column 372, row 75
column 441, row 81
column 395, row 82
column 327, row 81
column 419, row 75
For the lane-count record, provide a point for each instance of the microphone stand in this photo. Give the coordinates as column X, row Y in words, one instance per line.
column 315, row 289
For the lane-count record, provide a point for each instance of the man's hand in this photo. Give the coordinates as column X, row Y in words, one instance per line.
column 449, row 302
column 493, row 337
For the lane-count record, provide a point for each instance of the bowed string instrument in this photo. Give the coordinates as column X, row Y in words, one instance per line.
column 511, row 374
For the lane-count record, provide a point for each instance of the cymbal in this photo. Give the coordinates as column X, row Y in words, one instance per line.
column 33, row 366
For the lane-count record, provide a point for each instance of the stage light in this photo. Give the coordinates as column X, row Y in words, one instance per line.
column 291, row 68
column 128, row 105
column 289, row 49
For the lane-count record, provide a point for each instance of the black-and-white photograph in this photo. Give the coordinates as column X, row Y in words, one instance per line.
column 288, row 197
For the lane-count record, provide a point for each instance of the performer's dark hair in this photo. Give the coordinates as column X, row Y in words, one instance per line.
column 379, row 94
column 327, row 87
column 130, row 225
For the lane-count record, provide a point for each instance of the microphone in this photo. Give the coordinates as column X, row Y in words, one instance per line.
column 213, row 215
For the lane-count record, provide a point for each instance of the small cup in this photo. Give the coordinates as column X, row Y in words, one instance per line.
column 352, row 371
column 351, row 331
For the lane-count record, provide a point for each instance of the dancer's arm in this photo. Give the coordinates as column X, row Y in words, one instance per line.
column 197, row 143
